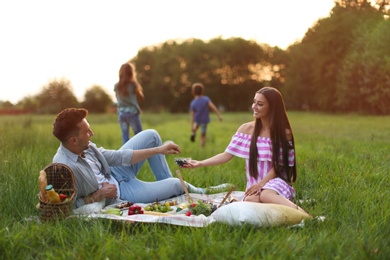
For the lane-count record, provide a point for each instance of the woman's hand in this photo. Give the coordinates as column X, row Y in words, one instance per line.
column 215, row 160
column 254, row 189
column 191, row 164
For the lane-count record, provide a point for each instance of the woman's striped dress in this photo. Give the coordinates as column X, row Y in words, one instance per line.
column 239, row 146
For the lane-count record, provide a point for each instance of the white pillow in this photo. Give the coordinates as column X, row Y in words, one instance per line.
column 258, row 214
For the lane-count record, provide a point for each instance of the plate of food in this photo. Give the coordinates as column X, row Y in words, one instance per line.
column 167, row 207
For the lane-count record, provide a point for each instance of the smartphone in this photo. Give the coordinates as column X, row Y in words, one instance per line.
column 181, row 161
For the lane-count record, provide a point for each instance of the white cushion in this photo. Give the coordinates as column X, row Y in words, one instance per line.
column 258, row 214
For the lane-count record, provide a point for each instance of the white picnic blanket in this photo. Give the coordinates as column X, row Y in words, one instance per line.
column 237, row 213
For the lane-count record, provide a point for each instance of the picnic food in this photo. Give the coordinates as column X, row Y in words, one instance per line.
column 124, row 205
column 52, row 195
column 113, row 211
column 135, row 209
column 181, row 206
column 202, row 207
column 42, row 180
column 172, row 202
column 158, row 207
column 63, row 197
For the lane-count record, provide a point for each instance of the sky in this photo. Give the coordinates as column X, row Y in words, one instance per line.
column 86, row 41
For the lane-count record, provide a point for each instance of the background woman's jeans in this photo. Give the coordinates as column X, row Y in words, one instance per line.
column 127, row 120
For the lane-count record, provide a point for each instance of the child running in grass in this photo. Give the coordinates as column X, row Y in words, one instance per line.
column 200, row 115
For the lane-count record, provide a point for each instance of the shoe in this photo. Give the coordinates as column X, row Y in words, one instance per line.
column 219, row 188
column 192, row 137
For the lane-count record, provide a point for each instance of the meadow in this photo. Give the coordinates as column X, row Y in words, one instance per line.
column 343, row 168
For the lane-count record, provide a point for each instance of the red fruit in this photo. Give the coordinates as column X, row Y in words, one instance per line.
column 193, row 205
column 62, row 196
column 135, row 207
column 188, row 213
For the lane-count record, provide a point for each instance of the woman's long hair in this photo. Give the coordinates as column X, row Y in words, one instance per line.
column 127, row 75
column 278, row 123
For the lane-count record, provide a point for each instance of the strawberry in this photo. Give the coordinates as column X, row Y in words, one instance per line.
column 193, row 205
column 188, row 213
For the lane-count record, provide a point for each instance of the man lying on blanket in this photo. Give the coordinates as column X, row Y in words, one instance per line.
column 110, row 175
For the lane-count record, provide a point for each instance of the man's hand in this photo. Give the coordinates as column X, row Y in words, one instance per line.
column 169, row 147
column 107, row 190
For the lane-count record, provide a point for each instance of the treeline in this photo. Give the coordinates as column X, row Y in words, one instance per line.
column 341, row 65
column 231, row 70
column 343, row 62
column 57, row 95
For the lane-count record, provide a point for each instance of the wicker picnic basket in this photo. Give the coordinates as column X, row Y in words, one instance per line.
column 63, row 181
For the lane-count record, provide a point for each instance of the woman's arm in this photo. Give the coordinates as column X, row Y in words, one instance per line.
column 139, row 93
column 269, row 176
column 215, row 160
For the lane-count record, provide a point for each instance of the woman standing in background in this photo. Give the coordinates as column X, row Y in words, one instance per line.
column 128, row 92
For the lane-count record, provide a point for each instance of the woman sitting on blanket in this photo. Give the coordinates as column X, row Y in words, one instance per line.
column 270, row 155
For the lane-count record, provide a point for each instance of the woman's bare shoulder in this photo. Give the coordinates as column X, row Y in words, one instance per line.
column 246, row 128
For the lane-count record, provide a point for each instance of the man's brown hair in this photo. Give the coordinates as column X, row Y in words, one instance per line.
column 65, row 124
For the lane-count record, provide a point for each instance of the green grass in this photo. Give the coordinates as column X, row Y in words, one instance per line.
column 343, row 164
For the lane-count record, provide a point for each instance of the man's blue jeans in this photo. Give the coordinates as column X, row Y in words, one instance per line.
column 135, row 190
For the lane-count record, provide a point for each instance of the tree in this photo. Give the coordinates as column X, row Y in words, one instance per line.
column 56, row 96
column 29, row 103
column 313, row 69
column 231, row 70
column 6, row 104
column 364, row 84
column 96, row 100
